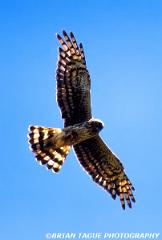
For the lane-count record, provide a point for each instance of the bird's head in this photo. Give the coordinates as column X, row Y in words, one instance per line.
column 96, row 125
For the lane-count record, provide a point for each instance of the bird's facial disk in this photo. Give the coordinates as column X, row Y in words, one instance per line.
column 97, row 125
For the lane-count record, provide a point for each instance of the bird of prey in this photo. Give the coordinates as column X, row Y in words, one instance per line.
column 81, row 131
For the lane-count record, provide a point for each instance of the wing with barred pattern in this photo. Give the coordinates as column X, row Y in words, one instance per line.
column 105, row 169
column 73, row 97
column 73, row 82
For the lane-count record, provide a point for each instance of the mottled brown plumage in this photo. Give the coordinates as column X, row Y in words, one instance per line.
column 73, row 82
column 73, row 96
column 105, row 169
column 51, row 145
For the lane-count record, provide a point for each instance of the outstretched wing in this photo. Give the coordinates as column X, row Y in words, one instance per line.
column 73, row 82
column 105, row 169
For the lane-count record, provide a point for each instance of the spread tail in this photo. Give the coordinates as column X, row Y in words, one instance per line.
column 44, row 144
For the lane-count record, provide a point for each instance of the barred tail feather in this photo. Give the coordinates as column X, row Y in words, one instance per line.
column 45, row 149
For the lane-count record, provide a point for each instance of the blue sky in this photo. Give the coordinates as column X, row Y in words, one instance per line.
column 123, row 46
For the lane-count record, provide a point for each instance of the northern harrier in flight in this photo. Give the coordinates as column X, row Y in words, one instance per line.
column 81, row 131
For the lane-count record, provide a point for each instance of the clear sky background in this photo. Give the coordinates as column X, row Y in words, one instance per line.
column 123, row 46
